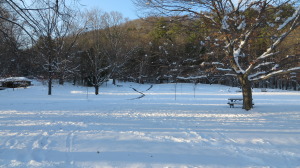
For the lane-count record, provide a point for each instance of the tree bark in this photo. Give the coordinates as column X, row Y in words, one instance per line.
column 50, row 78
column 61, row 81
column 96, row 89
column 247, row 92
column 49, row 54
column 50, row 86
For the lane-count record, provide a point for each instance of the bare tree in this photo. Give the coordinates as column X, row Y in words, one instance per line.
column 237, row 23
column 66, row 43
column 116, row 45
column 96, row 63
column 22, row 9
column 54, row 28
column 105, row 46
column 13, row 43
column 8, row 43
column 47, row 23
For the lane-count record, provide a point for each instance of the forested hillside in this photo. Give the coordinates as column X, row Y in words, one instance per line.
column 95, row 46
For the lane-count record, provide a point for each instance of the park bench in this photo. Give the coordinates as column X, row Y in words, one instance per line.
column 235, row 101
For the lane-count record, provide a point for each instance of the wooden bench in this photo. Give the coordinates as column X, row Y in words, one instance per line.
column 235, row 101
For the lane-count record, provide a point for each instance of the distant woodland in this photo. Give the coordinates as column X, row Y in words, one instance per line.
column 88, row 48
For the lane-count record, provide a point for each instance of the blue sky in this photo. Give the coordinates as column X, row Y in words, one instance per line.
column 126, row 7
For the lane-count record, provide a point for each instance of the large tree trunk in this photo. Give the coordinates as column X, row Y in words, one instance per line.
column 50, row 86
column 247, row 92
column 96, row 89
column 61, row 81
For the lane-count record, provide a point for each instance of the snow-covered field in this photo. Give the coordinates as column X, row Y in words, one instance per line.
column 74, row 129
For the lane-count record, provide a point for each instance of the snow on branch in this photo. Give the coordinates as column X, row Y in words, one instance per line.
column 236, row 55
column 217, row 63
column 242, row 25
column 191, row 77
column 263, row 77
column 256, row 74
column 275, row 67
column 189, row 60
column 267, row 54
column 295, row 24
column 210, row 17
column 263, row 64
column 223, row 69
column 229, row 74
column 238, row 52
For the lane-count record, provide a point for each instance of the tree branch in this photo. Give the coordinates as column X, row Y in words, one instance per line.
column 279, row 72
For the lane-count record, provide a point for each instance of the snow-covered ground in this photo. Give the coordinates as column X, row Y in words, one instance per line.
column 192, row 128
